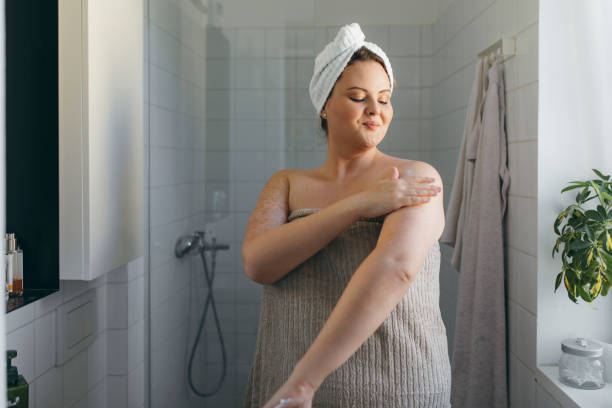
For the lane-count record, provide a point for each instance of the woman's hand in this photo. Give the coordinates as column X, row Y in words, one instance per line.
column 293, row 394
column 391, row 193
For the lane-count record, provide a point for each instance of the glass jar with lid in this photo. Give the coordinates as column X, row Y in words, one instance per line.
column 581, row 364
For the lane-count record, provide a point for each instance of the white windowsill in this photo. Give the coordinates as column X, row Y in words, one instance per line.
column 569, row 397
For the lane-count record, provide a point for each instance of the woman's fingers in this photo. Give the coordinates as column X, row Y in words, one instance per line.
column 290, row 403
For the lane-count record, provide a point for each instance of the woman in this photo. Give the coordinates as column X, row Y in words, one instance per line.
column 349, row 257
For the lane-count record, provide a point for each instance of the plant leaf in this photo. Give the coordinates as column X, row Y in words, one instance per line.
column 605, row 288
column 584, row 294
column 568, row 188
column 601, row 176
column 558, row 281
column 596, row 190
column 579, row 244
column 594, row 215
column 606, row 258
column 596, row 287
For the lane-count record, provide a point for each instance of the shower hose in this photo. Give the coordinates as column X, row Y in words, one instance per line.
column 209, row 301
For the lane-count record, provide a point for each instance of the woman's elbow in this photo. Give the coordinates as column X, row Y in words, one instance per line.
column 400, row 269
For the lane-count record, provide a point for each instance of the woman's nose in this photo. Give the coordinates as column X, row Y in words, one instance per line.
column 372, row 107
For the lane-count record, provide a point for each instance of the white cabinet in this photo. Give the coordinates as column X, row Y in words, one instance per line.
column 101, row 143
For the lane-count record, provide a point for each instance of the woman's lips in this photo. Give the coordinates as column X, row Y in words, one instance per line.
column 371, row 125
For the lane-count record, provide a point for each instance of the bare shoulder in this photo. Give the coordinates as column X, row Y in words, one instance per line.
column 415, row 168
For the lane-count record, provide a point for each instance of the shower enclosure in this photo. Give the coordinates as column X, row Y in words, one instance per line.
column 228, row 105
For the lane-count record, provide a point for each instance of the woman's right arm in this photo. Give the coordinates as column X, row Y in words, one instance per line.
column 272, row 247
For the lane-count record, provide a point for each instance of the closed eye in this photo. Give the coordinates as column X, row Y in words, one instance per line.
column 363, row 99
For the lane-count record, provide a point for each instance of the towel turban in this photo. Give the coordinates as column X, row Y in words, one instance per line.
column 330, row 62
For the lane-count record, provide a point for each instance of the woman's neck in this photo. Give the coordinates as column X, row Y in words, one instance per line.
column 342, row 166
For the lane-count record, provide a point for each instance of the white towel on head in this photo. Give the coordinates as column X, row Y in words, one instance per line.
column 330, row 62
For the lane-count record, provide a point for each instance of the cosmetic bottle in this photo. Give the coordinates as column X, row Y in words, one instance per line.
column 8, row 265
column 17, row 270
column 14, row 266
column 17, row 386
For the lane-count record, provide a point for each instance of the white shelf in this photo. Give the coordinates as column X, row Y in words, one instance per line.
column 569, row 397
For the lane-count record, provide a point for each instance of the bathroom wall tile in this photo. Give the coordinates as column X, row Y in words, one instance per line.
column 274, row 73
column 427, row 74
column 322, row 38
column 427, row 46
column 277, row 41
column 96, row 398
column 522, row 385
column 19, row 317
column 219, row 104
column 407, row 71
column 165, row 91
column 135, row 341
column 226, row 396
column 520, row 219
column 248, row 166
column 219, row 73
column 248, row 73
column 507, row 11
column 544, row 399
column 220, row 42
column 49, row 390
column 406, row 103
column 246, row 348
column 278, row 103
column 136, row 387
column 136, row 301
column 166, row 14
column 523, row 166
column 526, row 350
column 249, row 42
column 117, row 391
column 75, row 381
column 247, row 318
column 304, row 109
column 304, row 42
column 526, row 13
column 304, row 68
column 527, row 56
column 402, row 135
column 44, row 343
column 522, row 272
column 44, row 305
column 246, row 193
column 379, row 35
column 117, row 306
column 212, row 348
column 165, row 50
column 248, row 104
column 117, row 352
column 404, row 41
column 247, row 291
column 22, row 340
column 96, row 361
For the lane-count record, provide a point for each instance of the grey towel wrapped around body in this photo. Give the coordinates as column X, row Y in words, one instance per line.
column 403, row 364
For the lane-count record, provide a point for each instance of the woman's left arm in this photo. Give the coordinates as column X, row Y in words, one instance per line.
column 373, row 291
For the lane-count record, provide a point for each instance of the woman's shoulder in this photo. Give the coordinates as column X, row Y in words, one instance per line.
column 408, row 167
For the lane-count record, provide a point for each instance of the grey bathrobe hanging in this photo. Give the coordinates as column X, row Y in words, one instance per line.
column 474, row 227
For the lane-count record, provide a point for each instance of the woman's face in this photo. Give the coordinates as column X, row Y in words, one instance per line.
column 359, row 109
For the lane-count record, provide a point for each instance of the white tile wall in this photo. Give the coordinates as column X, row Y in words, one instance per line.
column 465, row 27
column 80, row 381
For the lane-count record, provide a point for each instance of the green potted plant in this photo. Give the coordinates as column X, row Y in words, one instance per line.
column 585, row 240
